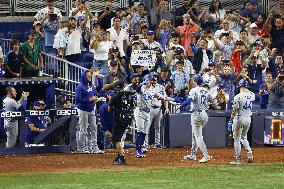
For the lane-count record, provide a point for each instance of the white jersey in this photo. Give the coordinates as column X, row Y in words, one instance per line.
column 161, row 92
column 200, row 98
column 10, row 104
column 243, row 103
column 144, row 98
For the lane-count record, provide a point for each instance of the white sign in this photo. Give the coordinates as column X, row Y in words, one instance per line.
column 143, row 57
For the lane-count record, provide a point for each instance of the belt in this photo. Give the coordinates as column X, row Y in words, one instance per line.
column 156, row 107
column 198, row 110
column 147, row 110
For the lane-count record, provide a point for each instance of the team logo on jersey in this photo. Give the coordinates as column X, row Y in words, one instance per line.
column 90, row 89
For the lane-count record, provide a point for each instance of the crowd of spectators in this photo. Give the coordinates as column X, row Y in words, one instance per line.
column 224, row 46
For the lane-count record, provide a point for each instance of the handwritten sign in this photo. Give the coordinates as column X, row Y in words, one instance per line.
column 143, row 57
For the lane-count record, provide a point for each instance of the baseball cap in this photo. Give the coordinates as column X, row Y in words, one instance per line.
column 164, row 69
column 186, row 15
column 119, row 85
column 243, row 83
column 150, row 32
column 119, row 8
column 72, row 18
column 211, row 63
column 113, row 63
column 253, row 25
column 36, row 23
column 198, row 79
column 110, row 92
column 221, row 86
column 31, row 32
column 115, row 49
column 141, row 4
column 38, row 103
column 253, row 2
column 133, row 75
column 258, row 43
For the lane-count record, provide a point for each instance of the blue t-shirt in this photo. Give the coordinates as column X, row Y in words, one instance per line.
column 38, row 122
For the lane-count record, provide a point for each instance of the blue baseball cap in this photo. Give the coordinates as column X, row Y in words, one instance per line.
column 198, row 79
column 244, row 83
column 259, row 43
column 133, row 75
column 150, row 32
column 110, row 92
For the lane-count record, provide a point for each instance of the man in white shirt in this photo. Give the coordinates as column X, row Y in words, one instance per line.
column 73, row 48
column 226, row 29
column 119, row 36
column 49, row 8
column 79, row 12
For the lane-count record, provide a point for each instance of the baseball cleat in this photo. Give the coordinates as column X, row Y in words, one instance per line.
column 191, row 157
column 145, row 149
column 205, row 159
column 250, row 160
column 139, row 154
column 236, row 162
column 158, row 146
column 85, row 152
column 98, row 151
column 116, row 159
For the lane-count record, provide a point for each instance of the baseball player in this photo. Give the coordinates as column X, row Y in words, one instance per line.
column 241, row 116
column 144, row 100
column 10, row 104
column 200, row 98
column 86, row 100
column 156, row 109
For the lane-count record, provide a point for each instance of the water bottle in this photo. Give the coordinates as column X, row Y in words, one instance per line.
column 230, row 133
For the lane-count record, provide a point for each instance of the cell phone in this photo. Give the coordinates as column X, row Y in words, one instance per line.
column 226, row 34
column 107, row 8
column 135, row 38
column 53, row 17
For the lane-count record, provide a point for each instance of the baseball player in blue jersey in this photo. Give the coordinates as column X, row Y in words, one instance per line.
column 241, row 116
column 200, row 99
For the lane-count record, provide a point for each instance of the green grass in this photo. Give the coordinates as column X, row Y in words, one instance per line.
column 253, row 176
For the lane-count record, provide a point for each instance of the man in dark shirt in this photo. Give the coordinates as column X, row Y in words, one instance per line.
column 123, row 104
column 14, row 61
column 276, row 93
column 180, row 11
column 112, row 78
column 106, row 16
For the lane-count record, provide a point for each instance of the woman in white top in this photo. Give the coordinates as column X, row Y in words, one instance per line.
column 215, row 15
column 100, row 47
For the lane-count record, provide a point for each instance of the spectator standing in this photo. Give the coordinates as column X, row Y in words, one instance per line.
column 119, row 36
column 73, row 48
column 106, row 15
column 163, row 12
column 276, row 93
column 14, row 61
column 186, row 34
column 79, row 12
column 278, row 8
column 215, row 15
column 263, row 91
column 100, row 46
column 49, row 8
column 11, row 124
column 180, row 11
column 33, row 60
column 113, row 77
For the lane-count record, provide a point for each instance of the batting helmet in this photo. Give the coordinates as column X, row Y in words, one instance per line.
column 198, row 79
column 244, row 83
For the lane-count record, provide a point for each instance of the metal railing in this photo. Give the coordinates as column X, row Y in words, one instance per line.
column 55, row 67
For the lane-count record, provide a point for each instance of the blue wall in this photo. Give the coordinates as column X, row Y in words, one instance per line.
column 16, row 30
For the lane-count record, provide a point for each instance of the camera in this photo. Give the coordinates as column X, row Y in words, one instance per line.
column 107, row 9
column 53, row 17
column 135, row 38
